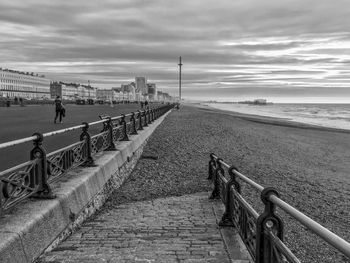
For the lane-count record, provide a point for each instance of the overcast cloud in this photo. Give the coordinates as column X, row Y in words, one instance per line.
column 283, row 50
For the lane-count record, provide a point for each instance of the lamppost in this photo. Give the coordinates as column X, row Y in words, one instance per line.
column 180, row 64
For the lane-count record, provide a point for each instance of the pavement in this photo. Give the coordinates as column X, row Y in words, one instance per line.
column 172, row 229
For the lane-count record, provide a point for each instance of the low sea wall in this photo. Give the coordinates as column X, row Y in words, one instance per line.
column 37, row 225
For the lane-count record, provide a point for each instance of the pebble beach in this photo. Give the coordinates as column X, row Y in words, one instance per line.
column 308, row 165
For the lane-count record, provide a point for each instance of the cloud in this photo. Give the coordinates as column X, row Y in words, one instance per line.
column 224, row 44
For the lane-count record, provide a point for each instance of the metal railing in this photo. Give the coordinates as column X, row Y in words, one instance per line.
column 34, row 178
column 262, row 234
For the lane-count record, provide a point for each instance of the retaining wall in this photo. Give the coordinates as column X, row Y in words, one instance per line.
column 37, row 225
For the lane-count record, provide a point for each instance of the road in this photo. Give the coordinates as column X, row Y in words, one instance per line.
column 20, row 122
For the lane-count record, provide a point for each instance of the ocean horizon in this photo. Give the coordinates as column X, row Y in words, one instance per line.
column 320, row 114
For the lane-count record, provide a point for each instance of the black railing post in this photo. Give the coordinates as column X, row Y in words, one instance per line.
column 85, row 136
column 267, row 221
column 1, row 198
column 233, row 180
column 133, row 124
column 105, row 126
column 40, row 171
column 139, row 116
column 124, row 129
column 226, row 219
column 149, row 116
column 219, row 170
column 111, row 146
column 212, row 167
column 145, row 124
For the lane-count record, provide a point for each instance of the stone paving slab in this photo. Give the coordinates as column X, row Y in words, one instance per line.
column 173, row 229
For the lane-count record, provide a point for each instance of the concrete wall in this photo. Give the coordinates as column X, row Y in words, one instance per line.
column 37, row 225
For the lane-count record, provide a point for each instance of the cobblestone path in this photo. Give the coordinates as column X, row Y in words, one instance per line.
column 173, row 229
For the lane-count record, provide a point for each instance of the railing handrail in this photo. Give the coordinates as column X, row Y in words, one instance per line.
column 327, row 235
column 243, row 177
column 48, row 134
column 18, row 141
column 324, row 233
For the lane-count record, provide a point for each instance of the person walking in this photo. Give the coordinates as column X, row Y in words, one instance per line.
column 59, row 109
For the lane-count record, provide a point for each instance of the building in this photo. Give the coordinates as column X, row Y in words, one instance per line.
column 138, row 94
column 141, row 85
column 162, row 96
column 72, row 91
column 23, row 85
column 107, row 94
column 260, row 102
column 119, row 94
column 56, row 89
column 67, row 91
column 88, row 92
column 152, row 91
column 129, row 91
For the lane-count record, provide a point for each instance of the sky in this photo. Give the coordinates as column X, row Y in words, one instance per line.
column 280, row 50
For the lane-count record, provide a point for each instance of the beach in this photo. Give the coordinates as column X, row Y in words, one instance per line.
column 309, row 166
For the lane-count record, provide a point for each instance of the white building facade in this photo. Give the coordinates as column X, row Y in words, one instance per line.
column 23, row 85
column 72, row 91
column 107, row 95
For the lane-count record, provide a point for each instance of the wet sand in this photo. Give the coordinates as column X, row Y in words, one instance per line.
column 308, row 165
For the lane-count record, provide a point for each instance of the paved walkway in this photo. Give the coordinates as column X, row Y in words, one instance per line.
column 174, row 229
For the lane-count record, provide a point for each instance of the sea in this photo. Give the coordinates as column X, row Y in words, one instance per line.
column 325, row 115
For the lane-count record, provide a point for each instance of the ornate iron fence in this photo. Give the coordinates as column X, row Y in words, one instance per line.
column 33, row 178
column 262, row 234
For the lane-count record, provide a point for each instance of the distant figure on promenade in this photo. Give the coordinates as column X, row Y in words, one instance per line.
column 141, row 102
column 146, row 105
column 8, row 102
column 60, row 111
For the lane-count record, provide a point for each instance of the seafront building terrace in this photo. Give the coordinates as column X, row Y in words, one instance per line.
column 26, row 85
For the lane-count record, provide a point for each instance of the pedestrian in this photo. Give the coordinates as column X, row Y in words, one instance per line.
column 141, row 102
column 146, row 104
column 60, row 111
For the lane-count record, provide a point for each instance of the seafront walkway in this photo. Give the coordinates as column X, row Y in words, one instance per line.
column 171, row 229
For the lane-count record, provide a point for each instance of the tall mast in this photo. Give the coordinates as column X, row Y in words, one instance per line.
column 180, row 64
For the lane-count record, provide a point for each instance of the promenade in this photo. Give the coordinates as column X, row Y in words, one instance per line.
column 172, row 229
